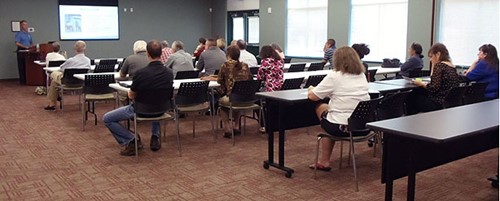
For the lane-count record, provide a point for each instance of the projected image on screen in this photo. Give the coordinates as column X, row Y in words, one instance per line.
column 88, row 22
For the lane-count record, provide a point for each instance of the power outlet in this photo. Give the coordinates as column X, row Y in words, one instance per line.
column 31, row 29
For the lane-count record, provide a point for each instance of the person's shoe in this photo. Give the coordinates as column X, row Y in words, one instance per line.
column 155, row 143
column 129, row 149
column 50, row 108
column 228, row 135
column 262, row 129
column 59, row 98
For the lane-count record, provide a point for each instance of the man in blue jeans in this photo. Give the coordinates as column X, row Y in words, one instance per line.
column 153, row 76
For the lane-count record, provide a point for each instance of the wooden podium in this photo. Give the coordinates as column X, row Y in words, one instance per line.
column 35, row 75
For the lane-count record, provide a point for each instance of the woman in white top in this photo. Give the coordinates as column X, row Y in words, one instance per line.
column 346, row 86
column 54, row 55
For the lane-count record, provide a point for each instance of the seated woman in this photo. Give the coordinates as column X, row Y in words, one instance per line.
column 271, row 69
column 485, row 70
column 414, row 62
column 278, row 50
column 430, row 96
column 231, row 71
column 346, row 86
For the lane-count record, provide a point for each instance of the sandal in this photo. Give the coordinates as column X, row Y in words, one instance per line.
column 320, row 167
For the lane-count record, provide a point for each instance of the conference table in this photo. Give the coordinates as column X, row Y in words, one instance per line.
column 380, row 69
column 426, row 140
column 290, row 109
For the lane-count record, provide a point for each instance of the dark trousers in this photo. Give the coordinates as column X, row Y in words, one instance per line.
column 21, row 67
column 419, row 101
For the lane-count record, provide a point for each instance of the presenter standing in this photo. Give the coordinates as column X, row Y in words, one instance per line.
column 23, row 42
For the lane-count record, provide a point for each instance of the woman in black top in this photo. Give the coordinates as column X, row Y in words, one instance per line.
column 430, row 96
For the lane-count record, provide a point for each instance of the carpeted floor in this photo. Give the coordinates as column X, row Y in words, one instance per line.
column 46, row 156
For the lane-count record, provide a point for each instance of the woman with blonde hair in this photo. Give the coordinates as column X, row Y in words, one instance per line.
column 346, row 86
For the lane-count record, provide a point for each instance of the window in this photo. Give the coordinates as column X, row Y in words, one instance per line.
column 465, row 25
column 382, row 25
column 244, row 25
column 306, row 27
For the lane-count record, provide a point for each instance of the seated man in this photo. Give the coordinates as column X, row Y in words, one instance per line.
column 135, row 62
column 78, row 61
column 132, row 64
column 245, row 56
column 180, row 60
column 166, row 51
column 211, row 59
column 54, row 55
column 153, row 76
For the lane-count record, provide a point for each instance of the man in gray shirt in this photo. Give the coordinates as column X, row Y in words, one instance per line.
column 211, row 59
column 78, row 61
column 136, row 61
column 180, row 60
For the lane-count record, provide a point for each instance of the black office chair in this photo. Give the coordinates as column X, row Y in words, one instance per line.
column 192, row 97
column 96, row 89
column 190, row 74
column 104, row 68
column 259, row 60
column 120, row 65
column 415, row 73
column 243, row 98
column 108, row 61
column 474, row 93
column 254, row 70
column 371, row 75
column 216, row 72
column 293, row 83
column 287, row 60
column 314, row 80
column 71, row 84
column 454, row 97
column 316, row 66
column 153, row 105
column 55, row 63
column 297, row 68
column 357, row 132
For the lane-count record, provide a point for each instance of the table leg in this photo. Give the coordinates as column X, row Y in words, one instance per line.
column 388, row 190
column 410, row 194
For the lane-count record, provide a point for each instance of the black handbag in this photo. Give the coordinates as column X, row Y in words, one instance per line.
column 391, row 63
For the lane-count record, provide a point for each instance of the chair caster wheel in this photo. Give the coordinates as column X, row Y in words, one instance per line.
column 266, row 166
column 288, row 174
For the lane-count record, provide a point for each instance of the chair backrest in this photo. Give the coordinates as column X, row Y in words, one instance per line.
column 153, row 102
column 364, row 112
column 314, row 80
column 55, row 63
column 392, row 105
column 104, row 68
column 474, row 93
column 192, row 93
column 454, row 97
column 68, row 78
column 371, row 75
column 189, row 74
column 415, row 73
column 98, row 83
column 259, row 60
column 425, row 73
column 297, row 67
column 293, row 83
column 108, row 61
column 216, row 72
column 120, row 65
column 287, row 60
column 316, row 66
column 254, row 70
column 244, row 91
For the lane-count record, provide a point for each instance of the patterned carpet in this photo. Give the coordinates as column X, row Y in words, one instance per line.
column 46, row 156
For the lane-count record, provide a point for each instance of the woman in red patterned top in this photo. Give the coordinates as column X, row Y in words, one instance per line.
column 271, row 69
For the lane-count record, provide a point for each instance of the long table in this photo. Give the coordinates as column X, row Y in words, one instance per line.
column 380, row 70
column 426, row 140
column 292, row 109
